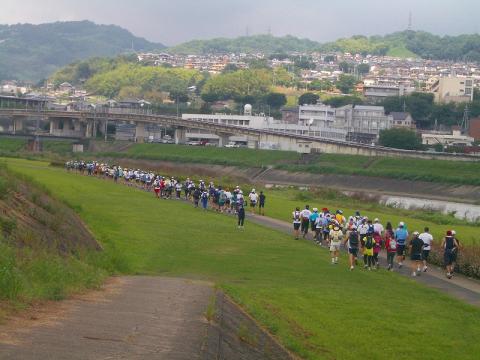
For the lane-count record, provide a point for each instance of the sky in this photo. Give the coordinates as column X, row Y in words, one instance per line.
column 174, row 21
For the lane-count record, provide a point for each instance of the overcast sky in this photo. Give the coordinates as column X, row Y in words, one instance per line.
column 175, row 21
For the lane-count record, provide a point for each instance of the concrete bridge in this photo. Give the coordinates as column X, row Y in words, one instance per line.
column 84, row 124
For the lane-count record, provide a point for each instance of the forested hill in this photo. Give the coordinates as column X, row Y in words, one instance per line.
column 401, row 44
column 267, row 44
column 31, row 52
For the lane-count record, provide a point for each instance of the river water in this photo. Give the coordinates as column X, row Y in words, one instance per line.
column 469, row 212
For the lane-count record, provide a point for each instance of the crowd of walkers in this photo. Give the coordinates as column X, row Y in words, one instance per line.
column 203, row 195
column 358, row 234
column 361, row 235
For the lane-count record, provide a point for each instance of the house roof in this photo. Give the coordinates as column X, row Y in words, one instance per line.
column 399, row 115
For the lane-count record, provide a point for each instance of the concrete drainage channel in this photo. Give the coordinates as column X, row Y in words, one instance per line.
column 233, row 334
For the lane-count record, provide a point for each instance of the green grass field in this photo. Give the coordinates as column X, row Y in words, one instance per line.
column 12, row 145
column 439, row 171
column 316, row 310
column 210, row 155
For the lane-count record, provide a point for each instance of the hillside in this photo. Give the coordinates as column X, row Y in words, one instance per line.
column 401, row 44
column 267, row 44
column 32, row 52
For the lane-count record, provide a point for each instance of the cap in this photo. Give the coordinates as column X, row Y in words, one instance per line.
column 416, row 233
column 454, row 232
column 401, row 223
column 376, row 220
column 315, row 209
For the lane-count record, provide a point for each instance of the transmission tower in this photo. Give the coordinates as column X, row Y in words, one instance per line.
column 465, row 121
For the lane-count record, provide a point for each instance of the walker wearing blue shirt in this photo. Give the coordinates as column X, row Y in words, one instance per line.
column 401, row 235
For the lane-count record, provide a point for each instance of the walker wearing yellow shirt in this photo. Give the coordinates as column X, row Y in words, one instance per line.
column 340, row 219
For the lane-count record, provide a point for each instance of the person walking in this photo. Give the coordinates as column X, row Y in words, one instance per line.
column 450, row 246
column 296, row 222
column 401, row 236
column 241, row 217
column 390, row 245
column 253, row 197
column 261, row 203
column 336, row 237
column 427, row 239
column 369, row 243
column 204, row 199
column 305, row 215
column 352, row 242
column 416, row 248
column 313, row 219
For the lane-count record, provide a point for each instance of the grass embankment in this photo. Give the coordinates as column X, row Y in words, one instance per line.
column 317, row 310
column 41, row 257
column 437, row 171
column 208, row 155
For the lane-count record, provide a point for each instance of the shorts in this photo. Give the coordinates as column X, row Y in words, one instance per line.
column 157, row 190
column 296, row 226
column 261, row 205
column 353, row 251
column 416, row 257
column 425, row 254
column 334, row 246
column 253, row 204
column 400, row 250
column 448, row 257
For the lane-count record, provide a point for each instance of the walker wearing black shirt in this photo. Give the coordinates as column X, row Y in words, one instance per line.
column 417, row 246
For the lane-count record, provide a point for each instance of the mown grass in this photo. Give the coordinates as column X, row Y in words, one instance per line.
column 437, row 171
column 209, row 155
column 315, row 309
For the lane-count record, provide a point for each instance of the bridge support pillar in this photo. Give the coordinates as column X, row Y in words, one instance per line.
column 223, row 139
column 54, row 125
column 140, row 132
column 252, row 142
column 180, row 135
column 17, row 124
column 89, row 129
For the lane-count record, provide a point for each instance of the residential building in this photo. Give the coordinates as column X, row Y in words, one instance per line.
column 452, row 89
column 290, row 115
column 402, row 120
column 378, row 92
column 318, row 115
column 447, row 139
column 362, row 123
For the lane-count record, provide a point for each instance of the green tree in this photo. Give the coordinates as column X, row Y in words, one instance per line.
column 275, row 100
column 308, row 98
column 321, row 85
column 363, row 69
column 400, row 139
column 345, row 83
column 339, row 101
column 345, row 67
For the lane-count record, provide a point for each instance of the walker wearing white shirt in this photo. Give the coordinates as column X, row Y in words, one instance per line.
column 253, row 197
column 377, row 227
column 427, row 239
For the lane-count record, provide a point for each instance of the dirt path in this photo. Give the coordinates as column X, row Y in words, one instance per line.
column 139, row 317
column 461, row 287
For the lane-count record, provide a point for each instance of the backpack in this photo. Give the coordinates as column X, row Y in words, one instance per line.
column 353, row 239
column 337, row 236
column 393, row 244
column 369, row 243
column 296, row 217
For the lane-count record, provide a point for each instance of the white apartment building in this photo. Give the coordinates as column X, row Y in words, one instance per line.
column 452, row 89
column 318, row 115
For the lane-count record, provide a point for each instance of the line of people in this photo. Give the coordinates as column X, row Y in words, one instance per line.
column 202, row 195
column 359, row 234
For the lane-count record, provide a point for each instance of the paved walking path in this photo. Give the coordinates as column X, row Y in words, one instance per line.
column 460, row 286
column 137, row 317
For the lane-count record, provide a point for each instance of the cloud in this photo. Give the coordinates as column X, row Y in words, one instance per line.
column 172, row 22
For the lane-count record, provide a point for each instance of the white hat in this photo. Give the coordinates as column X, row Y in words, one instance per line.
column 376, row 220
column 401, row 223
column 315, row 209
column 253, row 190
column 416, row 233
column 454, row 232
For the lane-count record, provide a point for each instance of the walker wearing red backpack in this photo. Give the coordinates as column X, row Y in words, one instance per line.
column 390, row 245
